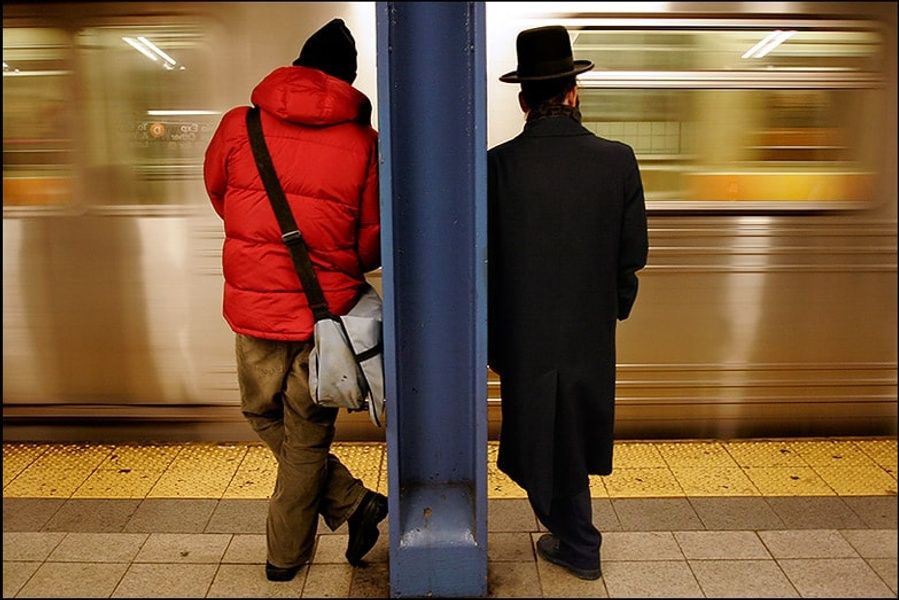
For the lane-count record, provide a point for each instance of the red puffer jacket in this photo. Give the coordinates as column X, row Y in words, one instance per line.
column 325, row 154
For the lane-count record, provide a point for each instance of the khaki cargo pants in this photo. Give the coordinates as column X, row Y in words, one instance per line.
column 274, row 394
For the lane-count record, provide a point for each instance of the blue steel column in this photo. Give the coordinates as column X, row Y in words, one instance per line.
column 432, row 122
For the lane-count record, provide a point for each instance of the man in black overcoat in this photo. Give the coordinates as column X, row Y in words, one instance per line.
column 566, row 236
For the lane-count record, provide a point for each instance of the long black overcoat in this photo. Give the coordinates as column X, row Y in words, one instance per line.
column 566, row 235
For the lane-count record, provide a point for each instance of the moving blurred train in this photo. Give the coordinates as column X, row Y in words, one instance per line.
column 765, row 133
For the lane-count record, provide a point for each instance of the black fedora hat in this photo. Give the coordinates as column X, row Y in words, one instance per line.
column 545, row 53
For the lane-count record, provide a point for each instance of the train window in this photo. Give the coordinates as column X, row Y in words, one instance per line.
column 780, row 46
column 734, row 115
column 150, row 122
column 121, row 109
column 37, row 131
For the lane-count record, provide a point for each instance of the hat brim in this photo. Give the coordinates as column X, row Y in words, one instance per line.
column 580, row 66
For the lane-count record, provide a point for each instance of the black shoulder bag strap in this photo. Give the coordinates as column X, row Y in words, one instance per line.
column 291, row 234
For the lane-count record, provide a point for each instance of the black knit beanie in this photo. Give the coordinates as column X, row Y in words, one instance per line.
column 331, row 49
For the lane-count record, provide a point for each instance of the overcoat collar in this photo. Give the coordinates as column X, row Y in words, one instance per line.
column 554, row 126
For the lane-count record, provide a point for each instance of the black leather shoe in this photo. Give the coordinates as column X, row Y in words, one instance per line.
column 363, row 525
column 548, row 548
column 280, row 574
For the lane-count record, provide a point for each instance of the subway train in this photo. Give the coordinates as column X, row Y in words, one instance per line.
column 765, row 135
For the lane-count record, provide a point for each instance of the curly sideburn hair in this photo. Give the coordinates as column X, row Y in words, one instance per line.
column 551, row 91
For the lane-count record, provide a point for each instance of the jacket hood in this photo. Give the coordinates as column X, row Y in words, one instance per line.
column 310, row 97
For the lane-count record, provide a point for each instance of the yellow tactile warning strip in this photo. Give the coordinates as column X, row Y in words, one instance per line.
column 795, row 467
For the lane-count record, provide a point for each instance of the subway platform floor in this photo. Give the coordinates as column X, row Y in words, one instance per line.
column 796, row 517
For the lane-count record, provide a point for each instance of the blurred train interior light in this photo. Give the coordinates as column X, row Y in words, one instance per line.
column 156, row 49
column 182, row 113
column 768, row 43
column 151, row 51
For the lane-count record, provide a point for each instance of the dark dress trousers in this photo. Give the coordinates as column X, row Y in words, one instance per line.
column 566, row 235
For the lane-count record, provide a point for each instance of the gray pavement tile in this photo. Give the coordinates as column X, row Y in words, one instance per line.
column 24, row 545
column 510, row 514
column 731, row 545
column 246, row 549
column 656, row 514
column 556, row 582
column 512, row 579
column 93, row 515
column 510, row 547
column 15, row 574
column 637, row 545
column 29, row 514
column 878, row 512
column 872, row 543
column 330, row 549
column 249, row 581
column 98, row 547
column 742, row 579
column 835, row 578
column 815, row 512
column 886, row 568
column 667, row 536
column 184, row 548
column 238, row 516
column 370, row 581
column 165, row 581
column 328, row 581
column 604, row 517
column 744, row 514
column 171, row 515
column 807, row 543
column 73, row 580
column 650, row 579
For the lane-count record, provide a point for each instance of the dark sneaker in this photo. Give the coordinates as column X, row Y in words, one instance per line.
column 548, row 548
column 280, row 574
column 363, row 525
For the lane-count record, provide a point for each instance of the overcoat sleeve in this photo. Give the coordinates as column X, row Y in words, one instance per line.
column 634, row 244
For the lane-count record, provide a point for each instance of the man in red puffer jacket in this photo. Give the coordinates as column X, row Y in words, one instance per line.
column 318, row 130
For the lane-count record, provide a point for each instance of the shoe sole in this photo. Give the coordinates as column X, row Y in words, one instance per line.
column 279, row 574
column 588, row 574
